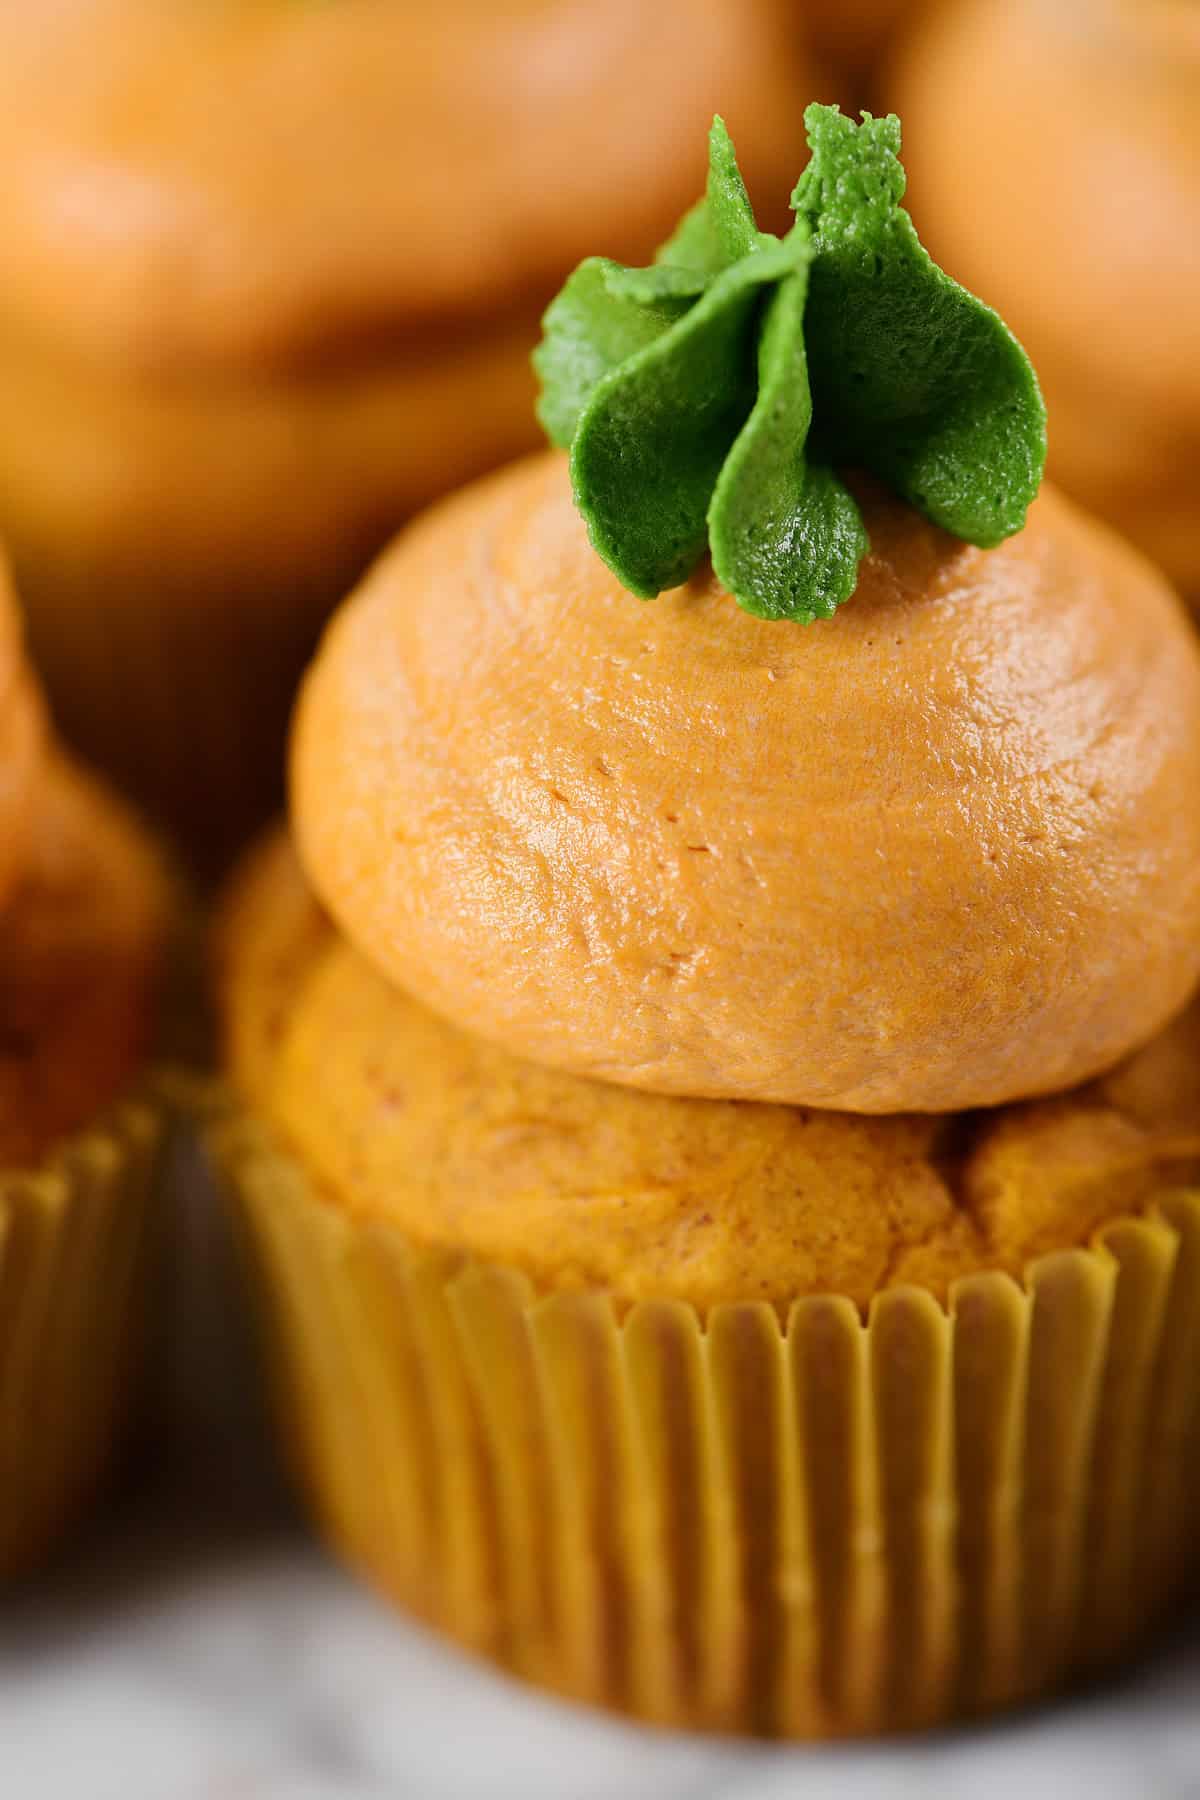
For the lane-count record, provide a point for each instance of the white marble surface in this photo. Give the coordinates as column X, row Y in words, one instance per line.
column 170, row 1660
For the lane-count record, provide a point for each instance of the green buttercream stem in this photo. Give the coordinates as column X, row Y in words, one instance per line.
column 707, row 400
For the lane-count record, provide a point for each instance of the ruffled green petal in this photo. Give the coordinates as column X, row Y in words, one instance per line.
column 663, row 285
column 786, row 535
column 720, row 228
column 912, row 376
column 656, row 430
column 587, row 331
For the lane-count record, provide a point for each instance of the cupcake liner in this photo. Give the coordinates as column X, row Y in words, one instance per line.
column 74, row 1241
column 811, row 1528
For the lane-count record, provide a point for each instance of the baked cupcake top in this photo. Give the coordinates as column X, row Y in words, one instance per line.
column 925, row 855
column 255, row 177
column 401, row 1119
column 85, row 907
column 83, row 945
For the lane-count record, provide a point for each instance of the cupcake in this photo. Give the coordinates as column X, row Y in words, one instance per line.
column 1080, row 126
column 854, row 37
column 715, row 1103
column 86, row 906
column 271, row 275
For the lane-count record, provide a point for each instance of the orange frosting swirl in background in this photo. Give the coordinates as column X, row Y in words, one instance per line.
column 939, row 852
column 1053, row 156
column 247, row 179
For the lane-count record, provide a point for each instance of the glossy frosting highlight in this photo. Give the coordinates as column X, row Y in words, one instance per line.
column 926, row 856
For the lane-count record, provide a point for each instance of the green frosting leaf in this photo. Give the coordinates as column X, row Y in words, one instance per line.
column 913, row 377
column 706, row 400
column 656, row 430
column 590, row 330
column 720, row 228
column 664, row 285
column 607, row 313
column 786, row 536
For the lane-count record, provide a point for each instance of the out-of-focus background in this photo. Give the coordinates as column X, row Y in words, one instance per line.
column 270, row 271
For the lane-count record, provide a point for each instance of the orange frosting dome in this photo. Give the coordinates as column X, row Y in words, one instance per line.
column 935, row 853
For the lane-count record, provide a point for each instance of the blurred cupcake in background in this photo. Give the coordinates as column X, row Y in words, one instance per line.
column 714, row 1102
column 1054, row 161
column 269, row 278
column 852, row 40
column 85, row 923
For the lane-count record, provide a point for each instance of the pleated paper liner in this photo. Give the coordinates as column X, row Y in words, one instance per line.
column 74, row 1244
column 816, row 1529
